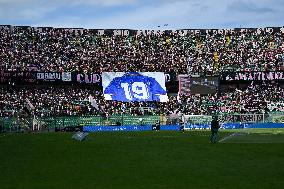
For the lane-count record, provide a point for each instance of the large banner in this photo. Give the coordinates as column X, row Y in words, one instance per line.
column 54, row 76
column 252, row 76
column 204, row 85
column 38, row 77
column 25, row 77
column 17, row 77
column 131, row 32
column 84, row 78
column 184, row 84
column 134, row 86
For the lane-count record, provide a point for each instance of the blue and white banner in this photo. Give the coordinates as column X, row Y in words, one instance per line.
column 134, row 86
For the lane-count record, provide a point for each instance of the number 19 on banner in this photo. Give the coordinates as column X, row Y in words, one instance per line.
column 135, row 90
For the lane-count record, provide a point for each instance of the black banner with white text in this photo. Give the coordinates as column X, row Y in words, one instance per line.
column 252, row 76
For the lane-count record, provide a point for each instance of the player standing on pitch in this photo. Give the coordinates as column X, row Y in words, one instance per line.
column 181, row 122
column 214, row 129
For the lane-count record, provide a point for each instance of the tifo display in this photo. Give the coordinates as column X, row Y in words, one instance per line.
column 134, row 86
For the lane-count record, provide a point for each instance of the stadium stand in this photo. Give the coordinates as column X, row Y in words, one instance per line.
column 55, row 49
column 27, row 50
column 54, row 101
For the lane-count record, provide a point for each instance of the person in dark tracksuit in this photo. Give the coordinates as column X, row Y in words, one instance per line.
column 156, row 126
column 181, row 125
column 214, row 129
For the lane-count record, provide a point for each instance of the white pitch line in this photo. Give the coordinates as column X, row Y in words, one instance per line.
column 227, row 137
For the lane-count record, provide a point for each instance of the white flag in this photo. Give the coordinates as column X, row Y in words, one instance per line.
column 174, row 114
column 178, row 98
column 239, row 91
column 30, row 105
column 93, row 102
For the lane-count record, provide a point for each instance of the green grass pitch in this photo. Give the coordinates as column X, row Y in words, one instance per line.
column 130, row 160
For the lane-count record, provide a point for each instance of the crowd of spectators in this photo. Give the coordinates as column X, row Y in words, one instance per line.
column 55, row 49
column 54, row 101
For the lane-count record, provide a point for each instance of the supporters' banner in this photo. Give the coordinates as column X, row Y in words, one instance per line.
column 54, row 76
column 37, row 77
column 278, row 119
column 87, row 78
column 184, row 84
column 252, row 76
column 7, row 77
column 182, row 32
column 25, row 77
column 134, row 86
column 131, row 32
column 204, row 85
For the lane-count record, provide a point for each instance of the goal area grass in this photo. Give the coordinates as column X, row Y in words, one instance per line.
column 254, row 136
column 154, row 159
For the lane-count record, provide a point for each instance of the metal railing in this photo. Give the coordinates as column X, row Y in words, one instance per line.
column 13, row 124
column 238, row 118
column 16, row 124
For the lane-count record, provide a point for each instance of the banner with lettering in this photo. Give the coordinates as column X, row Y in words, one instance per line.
column 184, row 84
column 131, row 32
column 134, row 86
column 204, row 85
column 252, row 76
column 17, row 77
column 54, row 76
column 85, row 78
